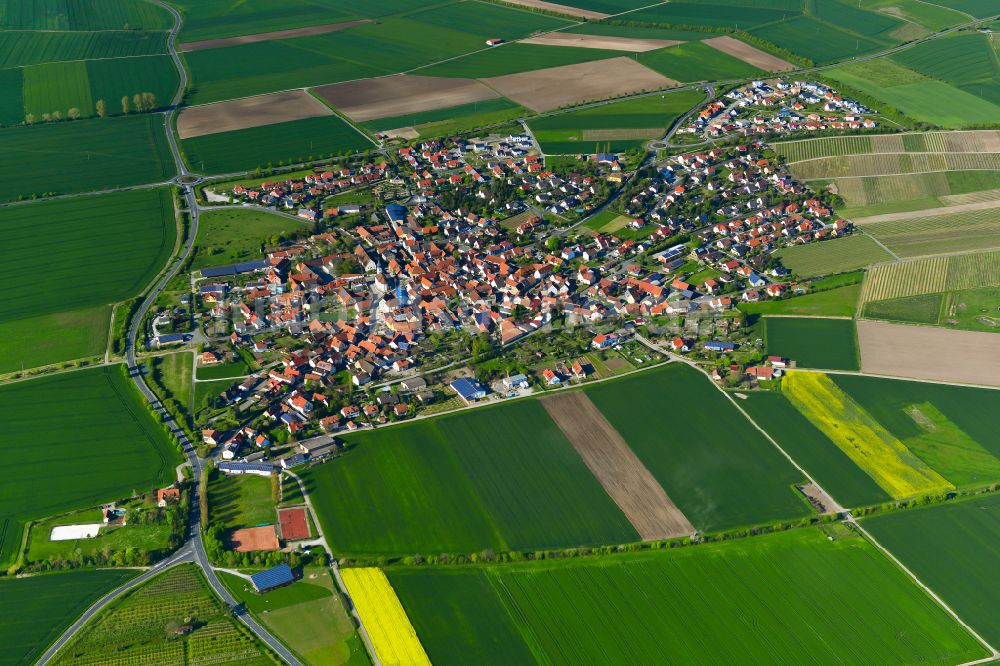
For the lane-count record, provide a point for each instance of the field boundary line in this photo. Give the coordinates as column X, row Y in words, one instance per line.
column 884, row 247
column 795, row 316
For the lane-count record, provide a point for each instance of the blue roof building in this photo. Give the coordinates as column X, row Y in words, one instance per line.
column 719, row 346
column 272, row 578
column 396, row 212
column 468, row 389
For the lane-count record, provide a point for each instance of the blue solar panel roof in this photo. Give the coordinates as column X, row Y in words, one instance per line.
column 279, row 575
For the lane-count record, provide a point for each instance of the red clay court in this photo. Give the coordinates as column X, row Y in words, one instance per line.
column 293, row 524
column 251, row 539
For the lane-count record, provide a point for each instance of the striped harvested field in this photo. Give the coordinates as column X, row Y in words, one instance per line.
column 931, row 275
column 915, row 235
column 971, row 197
column 976, row 141
column 844, row 166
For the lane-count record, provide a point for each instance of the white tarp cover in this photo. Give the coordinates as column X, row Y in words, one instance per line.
column 69, row 532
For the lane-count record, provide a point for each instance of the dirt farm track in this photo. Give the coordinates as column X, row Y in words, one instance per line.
column 925, row 352
column 615, row 465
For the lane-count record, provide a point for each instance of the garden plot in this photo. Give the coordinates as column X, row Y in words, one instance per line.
column 547, row 89
column 634, row 45
column 932, row 353
column 749, row 54
column 402, row 94
column 249, row 112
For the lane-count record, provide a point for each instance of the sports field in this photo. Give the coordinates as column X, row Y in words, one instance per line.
column 503, row 478
column 718, row 470
column 813, row 342
column 97, row 251
column 85, row 156
column 86, row 419
column 751, row 601
column 951, row 547
column 819, row 456
column 838, row 255
column 229, row 236
column 283, row 143
column 896, row 469
column 36, row 610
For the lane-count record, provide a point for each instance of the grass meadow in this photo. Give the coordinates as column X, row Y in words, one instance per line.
column 950, row 547
column 99, row 250
column 36, row 610
column 839, row 302
column 838, row 255
column 819, row 456
column 813, row 342
column 719, row 471
column 502, row 477
column 703, row 604
column 91, row 439
column 278, row 144
column 228, row 236
column 694, row 61
column 84, row 156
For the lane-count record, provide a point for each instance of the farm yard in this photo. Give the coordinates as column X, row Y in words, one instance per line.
column 279, row 144
column 87, row 418
column 106, row 254
column 971, row 357
column 720, row 473
column 141, row 628
column 839, row 255
column 500, row 478
column 37, row 609
column 704, row 604
column 948, row 546
column 813, row 342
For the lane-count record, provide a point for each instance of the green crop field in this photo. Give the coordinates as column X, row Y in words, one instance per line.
column 834, row 471
column 452, row 119
column 282, row 143
column 139, row 627
column 99, row 251
column 637, row 32
column 942, row 424
column 501, row 478
column 920, row 309
column 719, row 471
column 32, row 48
column 832, row 256
column 951, row 547
column 738, row 602
column 694, row 61
column 487, row 21
column 84, row 156
column 87, row 419
column 829, row 344
column 83, row 16
column 918, row 236
column 228, row 236
column 819, row 41
column 723, row 14
column 581, row 131
column 840, row 302
column 922, row 14
column 515, row 58
column 216, row 19
column 963, row 60
column 36, row 610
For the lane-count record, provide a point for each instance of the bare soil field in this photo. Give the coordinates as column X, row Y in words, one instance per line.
column 925, row 352
column 973, row 141
column 931, row 212
column 632, row 44
column 250, row 539
column 268, row 36
column 547, row 89
column 561, row 9
column 749, row 54
column 615, row 465
column 613, row 134
column 249, row 112
column 405, row 133
column 402, row 94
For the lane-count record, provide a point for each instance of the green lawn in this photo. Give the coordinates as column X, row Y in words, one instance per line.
column 952, row 548
column 148, row 538
column 224, row 370
column 839, row 302
column 174, row 374
column 240, row 500
column 91, row 155
column 36, row 610
column 719, row 471
column 501, row 477
column 828, row 344
column 282, row 143
column 230, row 236
column 748, row 601
column 834, row 471
column 921, row 309
column 91, row 420
column 98, row 251
column 832, row 256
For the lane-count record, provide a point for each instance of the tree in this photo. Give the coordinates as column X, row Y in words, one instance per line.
column 137, row 103
column 148, row 101
column 30, row 119
column 57, row 115
column 203, row 495
column 102, row 108
column 275, row 487
column 74, row 113
column 125, row 105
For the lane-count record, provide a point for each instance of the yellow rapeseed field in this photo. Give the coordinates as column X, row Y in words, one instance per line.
column 389, row 628
column 873, row 448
